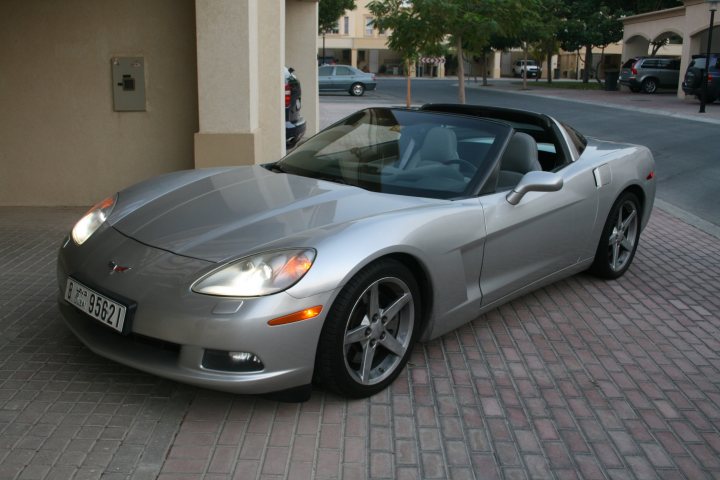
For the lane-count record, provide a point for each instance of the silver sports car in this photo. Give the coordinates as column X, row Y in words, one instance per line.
column 389, row 227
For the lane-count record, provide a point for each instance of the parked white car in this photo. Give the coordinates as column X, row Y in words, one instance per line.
column 530, row 66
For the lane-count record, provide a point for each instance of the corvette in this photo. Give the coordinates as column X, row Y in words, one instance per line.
column 391, row 226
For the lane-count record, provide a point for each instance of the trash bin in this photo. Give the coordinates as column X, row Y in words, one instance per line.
column 611, row 81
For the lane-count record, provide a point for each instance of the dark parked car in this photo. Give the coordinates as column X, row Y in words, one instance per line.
column 344, row 78
column 693, row 77
column 650, row 73
column 294, row 123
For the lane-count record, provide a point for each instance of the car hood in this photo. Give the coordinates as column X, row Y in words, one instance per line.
column 219, row 215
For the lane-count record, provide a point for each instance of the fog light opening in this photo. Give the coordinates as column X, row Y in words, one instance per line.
column 232, row 361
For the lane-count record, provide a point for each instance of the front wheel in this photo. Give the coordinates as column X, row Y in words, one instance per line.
column 357, row 89
column 619, row 239
column 370, row 330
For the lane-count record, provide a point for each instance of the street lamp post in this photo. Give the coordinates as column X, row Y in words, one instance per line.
column 713, row 6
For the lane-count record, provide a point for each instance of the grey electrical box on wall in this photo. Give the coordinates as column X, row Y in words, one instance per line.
column 128, row 77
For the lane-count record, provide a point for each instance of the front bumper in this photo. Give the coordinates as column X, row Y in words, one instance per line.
column 173, row 328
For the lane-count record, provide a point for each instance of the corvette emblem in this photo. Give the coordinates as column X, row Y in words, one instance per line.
column 115, row 268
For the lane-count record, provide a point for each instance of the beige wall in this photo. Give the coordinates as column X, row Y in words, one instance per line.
column 61, row 143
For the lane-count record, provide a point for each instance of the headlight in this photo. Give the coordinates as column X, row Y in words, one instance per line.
column 92, row 220
column 258, row 275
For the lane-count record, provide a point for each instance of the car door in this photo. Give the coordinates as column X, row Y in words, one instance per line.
column 545, row 233
column 344, row 78
column 325, row 78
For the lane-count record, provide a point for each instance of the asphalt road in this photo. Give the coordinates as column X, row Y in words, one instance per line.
column 687, row 152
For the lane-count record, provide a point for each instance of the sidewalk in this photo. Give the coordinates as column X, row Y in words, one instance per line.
column 665, row 102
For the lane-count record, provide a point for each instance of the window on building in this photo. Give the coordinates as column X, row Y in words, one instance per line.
column 369, row 26
column 346, row 25
column 335, row 28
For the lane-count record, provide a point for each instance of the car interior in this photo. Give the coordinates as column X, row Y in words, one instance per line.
column 441, row 157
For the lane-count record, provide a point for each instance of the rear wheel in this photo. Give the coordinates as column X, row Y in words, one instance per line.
column 649, row 85
column 619, row 239
column 370, row 330
column 357, row 89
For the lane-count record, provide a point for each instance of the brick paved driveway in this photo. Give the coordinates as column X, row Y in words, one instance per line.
column 583, row 379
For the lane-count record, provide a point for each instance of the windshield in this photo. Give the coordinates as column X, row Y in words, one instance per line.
column 404, row 152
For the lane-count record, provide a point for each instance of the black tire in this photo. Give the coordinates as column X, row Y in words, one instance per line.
column 369, row 333
column 649, row 85
column 357, row 89
column 619, row 238
column 635, row 89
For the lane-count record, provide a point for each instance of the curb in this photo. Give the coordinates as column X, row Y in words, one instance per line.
column 689, row 218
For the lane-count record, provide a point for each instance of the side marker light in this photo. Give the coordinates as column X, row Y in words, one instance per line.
column 306, row 314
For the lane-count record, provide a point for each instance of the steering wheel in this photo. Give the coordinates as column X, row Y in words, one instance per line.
column 465, row 166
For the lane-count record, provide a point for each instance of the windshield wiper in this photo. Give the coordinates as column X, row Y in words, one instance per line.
column 275, row 167
column 339, row 180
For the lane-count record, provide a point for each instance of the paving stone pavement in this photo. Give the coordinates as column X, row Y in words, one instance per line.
column 582, row 379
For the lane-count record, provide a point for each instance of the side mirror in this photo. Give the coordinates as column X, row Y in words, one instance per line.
column 534, row 182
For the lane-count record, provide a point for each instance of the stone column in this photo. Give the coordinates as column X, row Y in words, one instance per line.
column 353, row 57
column 271, row 57
column 228, row 83
column 497, row 64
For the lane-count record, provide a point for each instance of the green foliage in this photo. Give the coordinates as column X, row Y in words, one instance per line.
column 416, row 28
column 641, row 6
column 590, row 24
column 329, row 11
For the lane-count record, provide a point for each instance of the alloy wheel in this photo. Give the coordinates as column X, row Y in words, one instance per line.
column 379, row 331
column 622, row 240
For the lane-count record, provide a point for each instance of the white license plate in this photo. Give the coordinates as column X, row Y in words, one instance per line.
column 96, row 305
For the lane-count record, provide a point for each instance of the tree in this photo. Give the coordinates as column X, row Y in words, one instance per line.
column 415, row 27
column 589, row 25
column 471, row 24
column 328, row 13
column 633, row 7
column 551, row 15
column 523, row 27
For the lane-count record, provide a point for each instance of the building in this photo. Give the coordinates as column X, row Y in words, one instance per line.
column 98, row 95
column 355, row 41
column 690, row 23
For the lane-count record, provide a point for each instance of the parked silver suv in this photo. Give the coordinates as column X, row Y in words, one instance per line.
column 650, row 73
